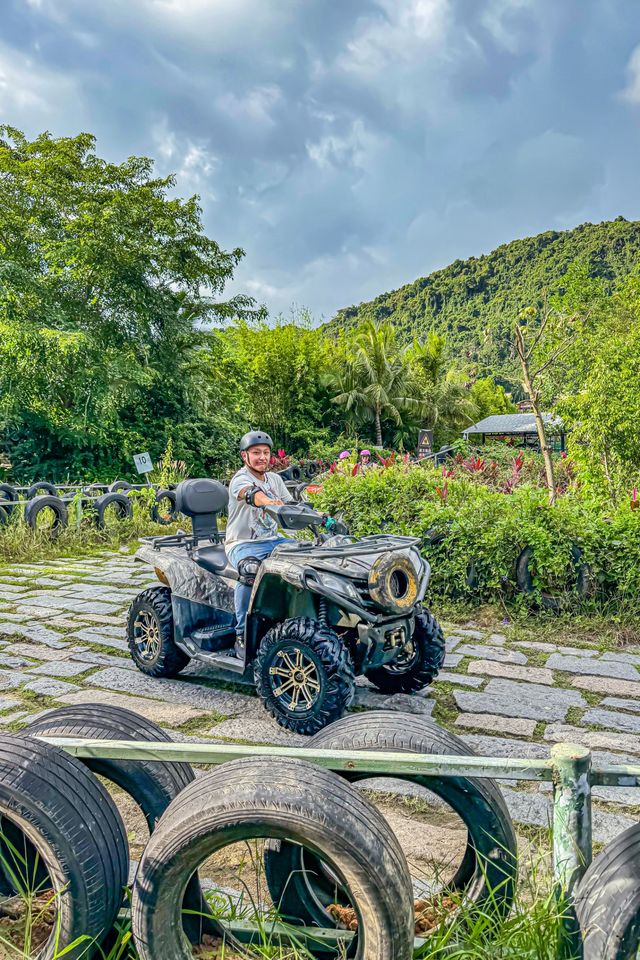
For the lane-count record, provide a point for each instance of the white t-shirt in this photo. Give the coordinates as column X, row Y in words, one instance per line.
column 247, row 523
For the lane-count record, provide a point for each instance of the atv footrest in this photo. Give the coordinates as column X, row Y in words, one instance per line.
column 204, row 635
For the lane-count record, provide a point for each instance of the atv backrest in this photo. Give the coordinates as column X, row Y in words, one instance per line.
column 202, row 500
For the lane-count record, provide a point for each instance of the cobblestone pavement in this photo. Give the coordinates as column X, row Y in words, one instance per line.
column 62, row 641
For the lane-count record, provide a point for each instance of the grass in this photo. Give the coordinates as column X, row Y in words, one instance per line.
column 596, row 626
column 533, row 930
column 20, row 544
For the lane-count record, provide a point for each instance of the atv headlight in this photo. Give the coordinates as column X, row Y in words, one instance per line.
column 339, row 585
column 393, row 582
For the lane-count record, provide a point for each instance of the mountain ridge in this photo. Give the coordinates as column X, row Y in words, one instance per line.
column 475, row 301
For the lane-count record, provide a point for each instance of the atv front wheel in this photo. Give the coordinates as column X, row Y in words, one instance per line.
column 150, row 634
column 418, row 664
column 304, row 675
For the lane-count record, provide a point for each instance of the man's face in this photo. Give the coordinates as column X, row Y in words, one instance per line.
column 257, row 458
column 365, row 458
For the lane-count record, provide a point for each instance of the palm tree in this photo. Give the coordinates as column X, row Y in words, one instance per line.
column 375, row 382
column 446, row 401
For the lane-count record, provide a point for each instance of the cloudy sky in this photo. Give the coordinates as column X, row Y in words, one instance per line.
column 349, row 146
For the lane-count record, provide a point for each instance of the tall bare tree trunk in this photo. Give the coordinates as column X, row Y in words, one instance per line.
column 378, row 429
column 534, row 396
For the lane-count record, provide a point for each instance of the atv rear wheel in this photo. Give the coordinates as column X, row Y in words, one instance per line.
column 417, row 666
column 150, row 634
column 304, row 675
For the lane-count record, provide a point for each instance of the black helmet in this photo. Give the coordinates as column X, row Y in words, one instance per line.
column 253, row 438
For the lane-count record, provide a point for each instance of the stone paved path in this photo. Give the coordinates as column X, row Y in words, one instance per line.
column 62, row 641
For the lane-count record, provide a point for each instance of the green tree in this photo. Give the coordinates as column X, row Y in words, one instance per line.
column 599, row 398
column 375, row 384
column 489, row 398
column 446, row 402
column 283, row 369
column 107, row 286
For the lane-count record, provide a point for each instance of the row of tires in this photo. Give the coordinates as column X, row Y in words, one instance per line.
column 116, row 505
column 304, row 471
column 580, row 582
column 14, row 494
column 330, row 847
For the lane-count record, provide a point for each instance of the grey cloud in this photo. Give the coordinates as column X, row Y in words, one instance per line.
column 347, row 145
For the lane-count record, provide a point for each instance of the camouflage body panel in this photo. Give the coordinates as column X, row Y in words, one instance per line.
column 186, row 579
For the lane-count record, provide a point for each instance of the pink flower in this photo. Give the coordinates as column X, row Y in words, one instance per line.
column 281, row 454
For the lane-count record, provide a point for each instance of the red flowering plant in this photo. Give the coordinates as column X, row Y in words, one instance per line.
column 443, row 492
column 279, row 460
column 386, row 461
column 516, row 474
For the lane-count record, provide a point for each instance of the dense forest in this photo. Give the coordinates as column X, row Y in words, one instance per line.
column 473, row 302
column 116, row 337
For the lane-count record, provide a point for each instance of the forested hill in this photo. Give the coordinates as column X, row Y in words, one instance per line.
column 474, row 301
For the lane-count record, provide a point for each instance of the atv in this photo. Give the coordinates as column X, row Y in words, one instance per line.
column 322, row 610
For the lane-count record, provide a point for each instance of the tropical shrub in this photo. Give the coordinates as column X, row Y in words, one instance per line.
column 473, row 532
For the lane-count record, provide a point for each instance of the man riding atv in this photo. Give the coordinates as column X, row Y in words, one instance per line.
column 251, row 532
column 318, row 610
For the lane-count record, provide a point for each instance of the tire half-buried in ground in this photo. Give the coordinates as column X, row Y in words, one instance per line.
column 277, row 798
column 52, row 804
column 8, row 496
column 607, row 901
column 163, row 510
column 118, row 504
column 487, row 872
column 46, row 514
column 152, row 785
column 41, row 487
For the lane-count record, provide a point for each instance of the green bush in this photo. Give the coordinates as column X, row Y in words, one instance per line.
column 483, row 531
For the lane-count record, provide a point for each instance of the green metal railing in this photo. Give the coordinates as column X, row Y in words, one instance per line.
column 569, row 768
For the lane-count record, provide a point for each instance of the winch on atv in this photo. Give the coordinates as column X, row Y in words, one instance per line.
column 321, row 612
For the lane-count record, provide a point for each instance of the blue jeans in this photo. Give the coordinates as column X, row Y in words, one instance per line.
column 260, row 549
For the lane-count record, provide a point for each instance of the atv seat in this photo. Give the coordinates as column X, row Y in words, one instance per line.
column 202, row 500
column 214, row 560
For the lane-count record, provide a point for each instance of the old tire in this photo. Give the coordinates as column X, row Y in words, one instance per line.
column 8, row 496
column 258, row 797
column 159, row 512
column 152, row 785
column 607, row 901
column 34, row 508
column 150, row 634
column 303, row 646
column 416, row 670
column 117, row 501
column 580, row 583
column 40, row 488
column 119, row 486
column 61, row 810
column 487, row 873
column 4, row 515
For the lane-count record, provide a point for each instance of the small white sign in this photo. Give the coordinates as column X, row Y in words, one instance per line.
column 143, row 462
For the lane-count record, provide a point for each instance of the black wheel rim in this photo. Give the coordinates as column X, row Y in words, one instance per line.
column 295, row 679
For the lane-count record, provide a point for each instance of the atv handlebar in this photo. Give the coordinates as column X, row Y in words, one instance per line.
column 298, row 516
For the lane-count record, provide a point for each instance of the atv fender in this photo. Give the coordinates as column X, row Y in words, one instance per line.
column 175, row 568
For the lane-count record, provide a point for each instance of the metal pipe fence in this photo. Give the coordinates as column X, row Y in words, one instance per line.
column 568, row 768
